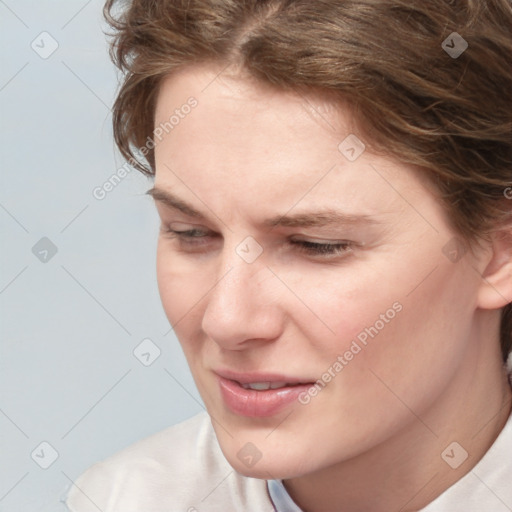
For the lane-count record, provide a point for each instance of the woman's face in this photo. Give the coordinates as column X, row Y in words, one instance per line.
column 380, row 314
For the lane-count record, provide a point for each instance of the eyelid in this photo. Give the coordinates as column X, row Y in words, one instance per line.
column 184, row 227
column 321, row 241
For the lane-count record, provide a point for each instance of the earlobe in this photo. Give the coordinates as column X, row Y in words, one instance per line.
column 496, row 286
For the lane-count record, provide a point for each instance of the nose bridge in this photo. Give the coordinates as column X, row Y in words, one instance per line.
column 237, row 308
column 238, row 285
column 244, row 267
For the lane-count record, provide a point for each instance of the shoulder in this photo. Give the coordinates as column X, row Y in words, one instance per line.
column 179, row 468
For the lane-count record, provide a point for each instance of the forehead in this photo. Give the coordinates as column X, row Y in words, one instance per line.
column 238, row 105
column 228, row 82
column 249, row 144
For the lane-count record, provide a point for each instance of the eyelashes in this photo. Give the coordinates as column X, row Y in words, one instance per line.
column 196, row 240
column 335, row 248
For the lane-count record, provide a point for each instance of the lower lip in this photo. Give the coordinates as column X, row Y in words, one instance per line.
column 253, row 403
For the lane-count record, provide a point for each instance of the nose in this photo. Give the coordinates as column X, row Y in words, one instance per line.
column 243, row 307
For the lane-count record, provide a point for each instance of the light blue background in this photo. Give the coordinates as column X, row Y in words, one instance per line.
column 69, row 326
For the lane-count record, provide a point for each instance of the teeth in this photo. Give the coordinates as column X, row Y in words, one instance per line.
column 262, row 386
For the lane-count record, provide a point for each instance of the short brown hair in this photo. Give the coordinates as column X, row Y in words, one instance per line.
column 449, row 114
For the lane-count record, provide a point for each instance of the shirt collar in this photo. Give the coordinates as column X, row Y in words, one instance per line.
column 280, row 498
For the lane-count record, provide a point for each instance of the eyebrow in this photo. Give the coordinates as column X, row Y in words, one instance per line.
column 326, row 217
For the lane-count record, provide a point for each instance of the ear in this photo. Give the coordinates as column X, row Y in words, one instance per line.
column 496, row 288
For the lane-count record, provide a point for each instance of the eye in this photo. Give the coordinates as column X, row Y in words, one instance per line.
column 190, row 237
column 190, row 233
column 322, row 249
column 197, row 238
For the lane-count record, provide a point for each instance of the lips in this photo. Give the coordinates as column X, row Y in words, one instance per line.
column 252, row 377
column 262, row 386
column 259, row 395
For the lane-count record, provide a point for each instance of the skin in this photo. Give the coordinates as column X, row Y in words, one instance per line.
column 432, row 375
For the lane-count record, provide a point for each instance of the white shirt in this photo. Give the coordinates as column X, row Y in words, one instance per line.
column 182, row 469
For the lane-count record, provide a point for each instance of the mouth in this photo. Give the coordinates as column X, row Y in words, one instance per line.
column 263, row 386
column 258, row 395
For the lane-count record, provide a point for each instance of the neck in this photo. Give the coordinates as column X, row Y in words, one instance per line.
column 408, row 471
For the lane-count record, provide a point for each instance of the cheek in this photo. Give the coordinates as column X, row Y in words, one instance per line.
column 417, row 351
column 398, row 321
column 180, row 288
column 168, row 284
column 344, row 304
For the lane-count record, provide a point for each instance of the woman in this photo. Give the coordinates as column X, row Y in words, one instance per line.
column 335, row 256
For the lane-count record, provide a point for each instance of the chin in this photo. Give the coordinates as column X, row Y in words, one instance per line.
column 265, row 471
column 273, row 466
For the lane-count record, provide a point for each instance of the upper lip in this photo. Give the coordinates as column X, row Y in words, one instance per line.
column 252, row 377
